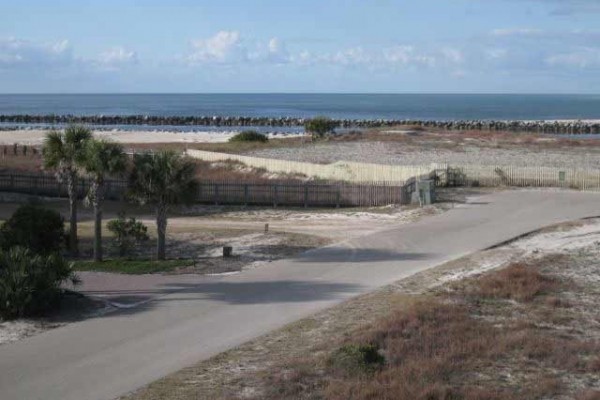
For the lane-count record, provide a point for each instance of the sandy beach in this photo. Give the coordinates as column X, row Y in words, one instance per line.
column 36, row 136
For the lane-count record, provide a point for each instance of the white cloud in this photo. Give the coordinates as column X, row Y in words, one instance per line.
column 376, row 58
column 349, row 57
column 116, row 58
column 406, row 56
column 16, row 53
column 277, row 52
column 581, row 58
column 224, row 47
column 453, row 55
column 516, row 32
column 230, row 48
column 495, row 53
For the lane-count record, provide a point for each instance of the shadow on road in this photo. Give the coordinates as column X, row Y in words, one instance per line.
column 347, row 255
column 284, row 291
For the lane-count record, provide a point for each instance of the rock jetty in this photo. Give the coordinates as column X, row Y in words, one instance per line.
column 555, row 127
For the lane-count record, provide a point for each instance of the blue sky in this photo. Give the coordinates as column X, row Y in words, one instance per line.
column 392, row 46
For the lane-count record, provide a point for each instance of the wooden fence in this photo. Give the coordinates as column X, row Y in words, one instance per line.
column 448, row 174
column 518, row 176
column 236, row 193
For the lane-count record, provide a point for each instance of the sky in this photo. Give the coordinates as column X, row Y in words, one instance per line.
column 351, row 46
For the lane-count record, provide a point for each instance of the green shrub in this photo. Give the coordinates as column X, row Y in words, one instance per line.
column 354, row 359
column 318, row 127
column 128, row 233
column 39, row 229
column 30, row 283
column 249, row 136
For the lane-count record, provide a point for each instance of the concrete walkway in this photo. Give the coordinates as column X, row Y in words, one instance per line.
column 105, row 357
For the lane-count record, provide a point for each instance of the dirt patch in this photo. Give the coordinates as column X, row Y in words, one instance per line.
column 476, row 336
column 249, row 250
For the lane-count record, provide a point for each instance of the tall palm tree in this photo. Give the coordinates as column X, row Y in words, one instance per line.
column 163, row 179
column 63, row 152
column 102, row 159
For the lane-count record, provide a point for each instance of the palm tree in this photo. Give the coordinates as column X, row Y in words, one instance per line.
column 63, row 152
column 102, row 159
column 163, row 179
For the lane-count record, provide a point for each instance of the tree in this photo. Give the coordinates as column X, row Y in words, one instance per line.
column 318, row 127
column 63, row 152
column 163, row 179
column 102, row 159
column 39, row 229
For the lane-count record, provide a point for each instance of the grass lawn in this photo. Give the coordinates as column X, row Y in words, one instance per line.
column 135, row 267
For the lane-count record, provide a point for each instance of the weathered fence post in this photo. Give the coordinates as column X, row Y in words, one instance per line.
column 305, row 196
column 216, row 194
column 246, row 195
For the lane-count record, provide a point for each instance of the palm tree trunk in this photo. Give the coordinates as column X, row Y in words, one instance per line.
column 161, row 228
column 97, row 195
column 72, row 193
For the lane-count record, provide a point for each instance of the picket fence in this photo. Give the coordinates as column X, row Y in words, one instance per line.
column 276, row 193
column 445, row 174
column 340, row 171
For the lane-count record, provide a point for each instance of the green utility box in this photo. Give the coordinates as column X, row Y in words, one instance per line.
column 424, row 193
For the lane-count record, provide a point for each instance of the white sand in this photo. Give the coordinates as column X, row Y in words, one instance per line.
column 585, row 236
column 36, row 136
column 570, row 240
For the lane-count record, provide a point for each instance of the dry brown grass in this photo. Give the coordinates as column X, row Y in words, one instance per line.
column 589, row 395
column 225, row 147
column 21, row 163
column 451, row 346
column 437, row 138
column 234, row 171
column 520, row 281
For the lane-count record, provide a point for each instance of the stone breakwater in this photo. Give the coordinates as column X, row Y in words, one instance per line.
column 555, row 127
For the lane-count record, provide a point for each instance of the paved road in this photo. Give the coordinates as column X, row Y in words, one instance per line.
column 105, row 357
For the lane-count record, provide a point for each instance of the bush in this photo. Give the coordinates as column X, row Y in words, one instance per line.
column 29, row 283
column 249, row 136
column 128, row 233
column 39, row 229
column 353, row 359
column 318, row 127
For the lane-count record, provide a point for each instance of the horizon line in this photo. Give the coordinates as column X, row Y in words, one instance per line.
column 304, row 93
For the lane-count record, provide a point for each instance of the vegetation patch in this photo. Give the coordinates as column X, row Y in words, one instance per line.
column 356, row 359
column 249, row 136
column 135, row 267
column 127, row 233
column 319, row 127
column 39, row 229
column 520, row 282
column 30, row 284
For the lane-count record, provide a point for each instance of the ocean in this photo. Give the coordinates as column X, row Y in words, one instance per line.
column 339, row 106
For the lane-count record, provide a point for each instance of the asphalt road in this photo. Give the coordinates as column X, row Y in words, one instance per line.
column 108, row 356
